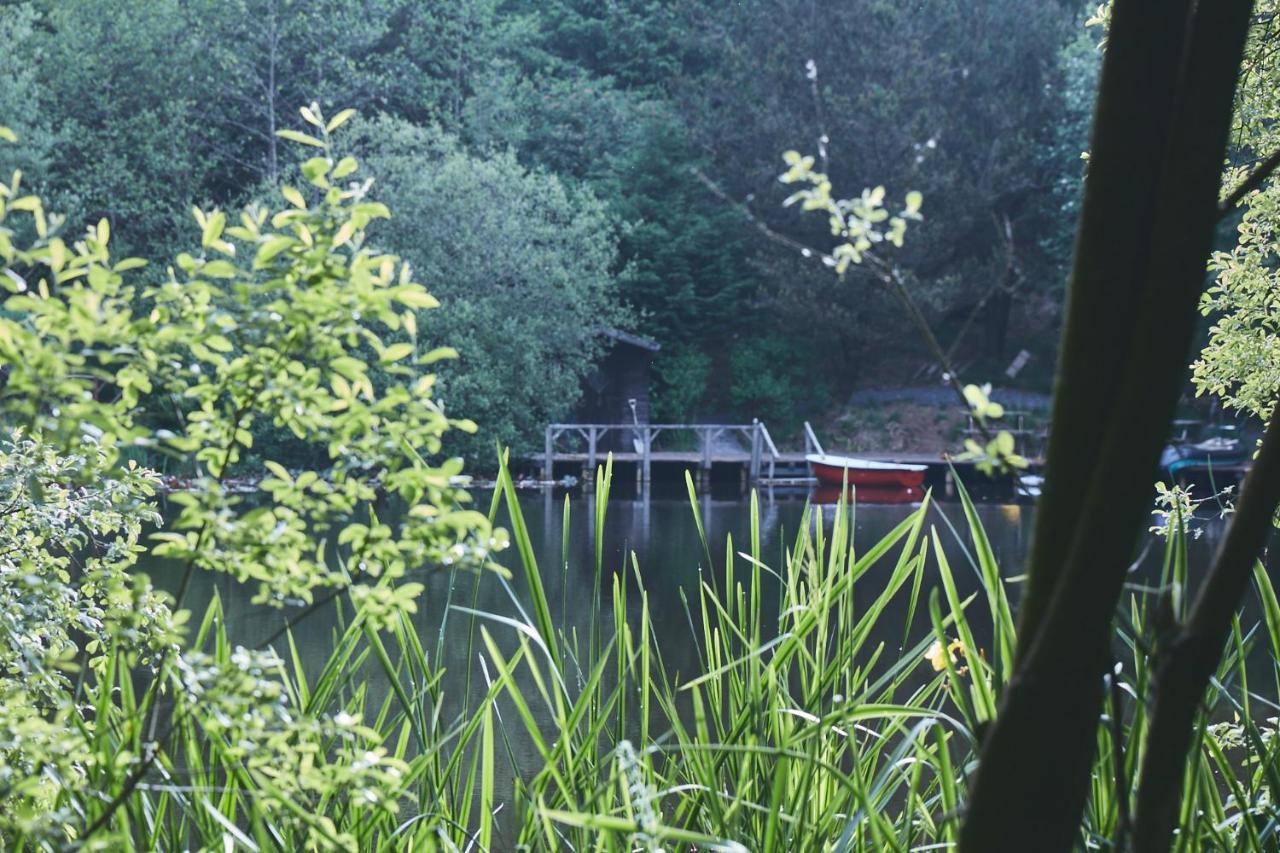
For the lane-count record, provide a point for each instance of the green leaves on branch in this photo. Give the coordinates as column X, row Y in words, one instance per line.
column 284, row 341
column 280, row 317
column 998, row 455
column 980, row 404
column 860, row 223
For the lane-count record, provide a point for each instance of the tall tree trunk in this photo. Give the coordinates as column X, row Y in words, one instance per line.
column 1150, row 207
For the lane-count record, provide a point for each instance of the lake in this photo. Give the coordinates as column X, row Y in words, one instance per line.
column 671, row 563
column 669, row 553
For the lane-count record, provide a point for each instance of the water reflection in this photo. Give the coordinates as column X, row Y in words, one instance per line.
column 658, row 541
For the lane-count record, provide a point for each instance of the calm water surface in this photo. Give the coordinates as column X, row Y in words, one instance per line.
column 662, row 534
column 668, row 551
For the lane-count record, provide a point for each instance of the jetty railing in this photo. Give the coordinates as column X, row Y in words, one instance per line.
column 811, row 443
column 755, row 434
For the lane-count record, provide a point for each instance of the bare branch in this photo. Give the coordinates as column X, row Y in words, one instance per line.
column 749, row 215
column 1249, row 184
column 888, row 275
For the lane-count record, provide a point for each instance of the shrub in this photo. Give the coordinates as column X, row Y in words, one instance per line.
column 103, row 688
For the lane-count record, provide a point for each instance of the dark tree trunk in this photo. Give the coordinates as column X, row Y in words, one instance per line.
column 1147, row 222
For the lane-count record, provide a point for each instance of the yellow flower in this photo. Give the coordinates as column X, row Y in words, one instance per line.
column 955, row 650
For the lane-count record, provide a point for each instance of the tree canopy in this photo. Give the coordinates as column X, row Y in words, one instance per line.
column 609, row 120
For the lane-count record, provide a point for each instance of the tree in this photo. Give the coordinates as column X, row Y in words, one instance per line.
column 261, row 58
column 263, row 320
column 524, row 263
column 1065, row 158
column 952, row 99
column 640, row 44
column 1147, row 224
column 122, row 153
column 21, row 96
column 686, row 253
column 1240, row 363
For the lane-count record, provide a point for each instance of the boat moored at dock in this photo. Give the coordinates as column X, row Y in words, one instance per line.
column 836, row 470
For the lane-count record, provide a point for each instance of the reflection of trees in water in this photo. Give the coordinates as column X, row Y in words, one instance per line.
column 670, row 558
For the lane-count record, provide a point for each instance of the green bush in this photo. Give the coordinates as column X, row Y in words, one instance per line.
column 103, row 688
column 523, row 263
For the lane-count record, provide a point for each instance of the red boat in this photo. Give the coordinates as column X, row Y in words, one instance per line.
column 837, row 470
column 826, row 494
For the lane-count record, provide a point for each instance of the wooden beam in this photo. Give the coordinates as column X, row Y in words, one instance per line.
column 549, row 460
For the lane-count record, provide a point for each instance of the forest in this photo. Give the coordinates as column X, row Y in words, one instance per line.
column 563, row 150
column 290, row 292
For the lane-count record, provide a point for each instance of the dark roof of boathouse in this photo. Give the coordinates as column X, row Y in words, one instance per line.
column 630, row 338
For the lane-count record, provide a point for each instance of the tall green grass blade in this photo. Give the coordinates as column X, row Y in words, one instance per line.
column 533, row 578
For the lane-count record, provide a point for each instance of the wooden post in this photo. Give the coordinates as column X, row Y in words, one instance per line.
column 772, row 448
column 648, row 448
column 755, row 450
column 591, row 452
column 705, row 439
column 548, row 462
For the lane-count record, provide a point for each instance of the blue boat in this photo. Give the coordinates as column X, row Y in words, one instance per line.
column 1185, row 460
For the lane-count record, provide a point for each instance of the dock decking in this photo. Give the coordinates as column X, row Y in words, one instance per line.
column 715, row 443
column 759, row 461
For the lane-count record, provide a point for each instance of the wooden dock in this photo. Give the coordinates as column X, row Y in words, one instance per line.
column 716, row 444
column 749, row 448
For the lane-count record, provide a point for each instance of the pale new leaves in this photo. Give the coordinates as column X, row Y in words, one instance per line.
column 860, row 223
column 998, row 455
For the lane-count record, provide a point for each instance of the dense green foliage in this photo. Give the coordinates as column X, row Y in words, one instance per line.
column 149, row 108
column 523, row 262
column 272, row 317
column 950, row 99
column 127, row 723
column 1240, row 363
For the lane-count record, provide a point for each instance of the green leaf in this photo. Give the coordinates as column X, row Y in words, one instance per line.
column 395, row 352
column 295, row 136
column 315, row 169
column 271, row 248
column 219, row 269
column 278, row 470
column 438, row 354
column 294, row 197
column 345, row 167
column 351, row 368
column 339, row 120
column 218, row 343
column 213, row 228
column 417, row 298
